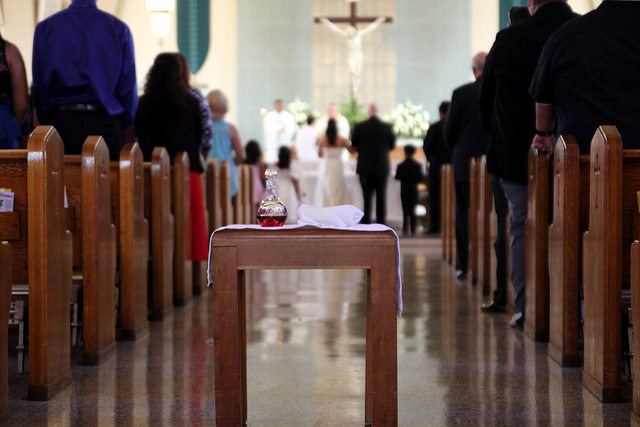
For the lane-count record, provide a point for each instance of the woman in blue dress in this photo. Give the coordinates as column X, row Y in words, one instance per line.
column 225, row 140
column 14, row 103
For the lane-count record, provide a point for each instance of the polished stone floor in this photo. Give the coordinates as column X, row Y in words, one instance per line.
column 456, row 366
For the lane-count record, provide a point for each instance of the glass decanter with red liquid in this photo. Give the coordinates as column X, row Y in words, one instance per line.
column 271, row 212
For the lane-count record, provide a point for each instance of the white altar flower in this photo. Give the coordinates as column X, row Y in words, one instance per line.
column 409, row 120
column 300, row 110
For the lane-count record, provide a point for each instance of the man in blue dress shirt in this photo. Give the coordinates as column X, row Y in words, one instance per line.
column 84, row 77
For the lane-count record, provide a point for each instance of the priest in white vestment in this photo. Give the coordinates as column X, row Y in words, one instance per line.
column 341, row 121
column 278, row 128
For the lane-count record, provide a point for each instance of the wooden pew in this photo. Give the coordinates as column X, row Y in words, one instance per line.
column 474, row 187
column 86, row 179
column 182, row 272
column 443, row 212
column 127, row 200
column 536, row 238
column 570, row 221
column 42, row 255
column 199, row 268
column 5, row 303
column 635, row 306
column 158, row 213
column 213, row 195
column 239, row 209
column 484, row 242
column 448, row 213
column 250, row 214
column 225, row 194
column 613, row 222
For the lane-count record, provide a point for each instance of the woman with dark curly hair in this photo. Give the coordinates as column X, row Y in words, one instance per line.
column 169, row 116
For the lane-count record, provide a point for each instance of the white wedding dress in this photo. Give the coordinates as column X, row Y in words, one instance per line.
column 331, row 188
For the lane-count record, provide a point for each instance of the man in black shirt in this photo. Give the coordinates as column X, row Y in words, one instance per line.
column 465, row 137
column 508, row 113
column 437, row 152
column 588, row 76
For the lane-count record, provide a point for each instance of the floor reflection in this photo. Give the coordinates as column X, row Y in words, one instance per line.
column 306, row 348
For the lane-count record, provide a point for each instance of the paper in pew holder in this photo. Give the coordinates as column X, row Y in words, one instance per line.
column 6, row 200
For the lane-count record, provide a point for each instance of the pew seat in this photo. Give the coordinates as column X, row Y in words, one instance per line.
column 5, row 304
column 41, row 255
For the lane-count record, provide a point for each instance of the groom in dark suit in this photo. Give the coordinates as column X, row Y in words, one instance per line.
column 373, row 139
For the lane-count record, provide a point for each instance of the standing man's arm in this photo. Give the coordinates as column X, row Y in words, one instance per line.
column 542, row 90
column 543, row 140
column 127, row 89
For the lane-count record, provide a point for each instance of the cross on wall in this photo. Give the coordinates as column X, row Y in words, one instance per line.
column 353, row 19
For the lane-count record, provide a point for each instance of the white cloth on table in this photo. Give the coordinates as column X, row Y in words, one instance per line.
column 278, row 129
column 357, row 227
column 334, row 216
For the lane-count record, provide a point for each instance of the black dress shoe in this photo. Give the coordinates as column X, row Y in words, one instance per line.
column 492, row 307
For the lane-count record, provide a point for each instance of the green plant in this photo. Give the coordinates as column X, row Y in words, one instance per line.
column 353, row 112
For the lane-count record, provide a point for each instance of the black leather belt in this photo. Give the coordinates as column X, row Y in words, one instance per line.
column 77, row 107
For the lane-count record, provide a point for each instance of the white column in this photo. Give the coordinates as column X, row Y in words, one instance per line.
column 485, row 23
column 220, row 69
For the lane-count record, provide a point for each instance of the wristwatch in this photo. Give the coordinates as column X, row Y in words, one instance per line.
column 543, row 132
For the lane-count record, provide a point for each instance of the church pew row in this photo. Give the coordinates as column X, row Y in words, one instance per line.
column 570, row 220
column 474, row 190
column 613, row 222
column 443, row 212
column 448, row 214
column 5, row 303
column 199, row 268
column 41, row 255
column 127, row 202
column 485, row 244
column 86, row 179
column 182, row 266
column 239, row 210
column 635, row 306
column 250, row 215
column 213, row 195
column 536, row 229
column 225, row 194
column 157, row 175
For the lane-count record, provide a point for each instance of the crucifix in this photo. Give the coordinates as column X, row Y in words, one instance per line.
column 354, row 37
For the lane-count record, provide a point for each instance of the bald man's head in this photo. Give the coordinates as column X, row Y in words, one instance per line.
column 477, row 63
column 373, row 109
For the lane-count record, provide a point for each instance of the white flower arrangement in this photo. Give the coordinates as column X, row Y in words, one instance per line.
column 409, row 120
column 300, row 110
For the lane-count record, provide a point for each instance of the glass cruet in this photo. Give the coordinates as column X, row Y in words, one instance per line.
column 271, row 212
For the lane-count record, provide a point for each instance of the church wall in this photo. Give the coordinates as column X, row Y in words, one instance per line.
column 434, row 50
column 274, row 58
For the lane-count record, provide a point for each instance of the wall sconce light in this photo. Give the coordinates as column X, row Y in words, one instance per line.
column 160, row 17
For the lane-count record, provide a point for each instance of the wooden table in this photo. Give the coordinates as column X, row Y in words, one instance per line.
column 235, row 251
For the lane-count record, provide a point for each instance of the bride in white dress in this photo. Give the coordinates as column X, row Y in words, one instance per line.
column 331, row 188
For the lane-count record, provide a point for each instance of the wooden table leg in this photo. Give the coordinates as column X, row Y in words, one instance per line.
column 242, row 311
column 227, row 347
column 368, row 388
column 381, row 384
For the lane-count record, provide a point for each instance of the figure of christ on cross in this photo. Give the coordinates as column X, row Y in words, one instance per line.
column 354, row 38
